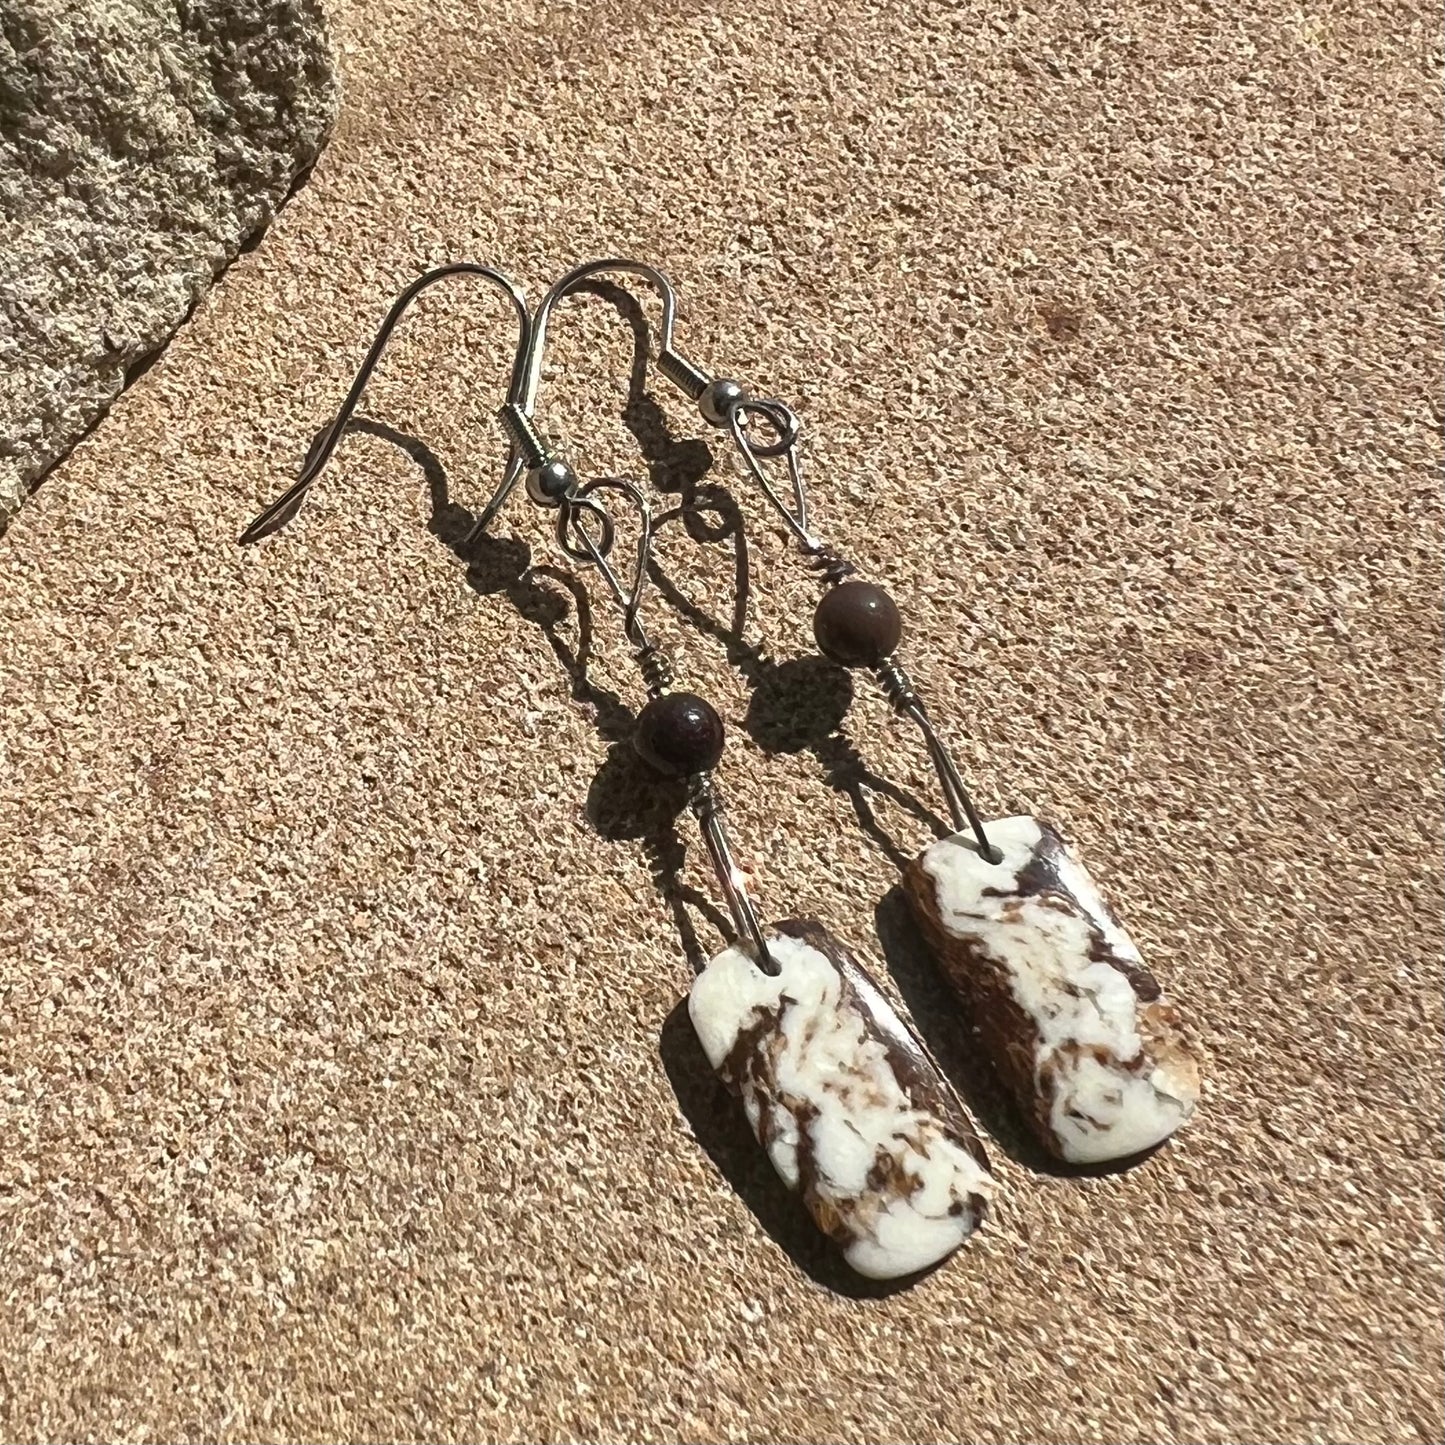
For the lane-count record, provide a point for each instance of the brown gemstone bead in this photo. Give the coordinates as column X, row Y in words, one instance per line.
column 679, row 734
column 857, row 624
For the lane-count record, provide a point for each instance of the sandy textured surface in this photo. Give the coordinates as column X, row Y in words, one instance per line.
column 345, row 1090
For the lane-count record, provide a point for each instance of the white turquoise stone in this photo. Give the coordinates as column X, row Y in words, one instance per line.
column 850, row 1108
column 1075, row 1023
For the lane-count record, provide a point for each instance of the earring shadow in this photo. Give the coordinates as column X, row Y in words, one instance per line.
column 621, row 802
column 674, row 464
column 628, row 800
column 445, row 521
column 793, row 706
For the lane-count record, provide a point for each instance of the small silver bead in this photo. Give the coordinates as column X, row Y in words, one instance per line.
column 548, row 484
column 718, row 399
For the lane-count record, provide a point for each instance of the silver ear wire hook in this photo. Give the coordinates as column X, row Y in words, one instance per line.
column 296, row 493
column 727, row 405
column 532, row 457
column 551, row 482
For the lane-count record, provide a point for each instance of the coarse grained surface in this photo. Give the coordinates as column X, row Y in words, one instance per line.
column 346, row 1094
column 142, row 143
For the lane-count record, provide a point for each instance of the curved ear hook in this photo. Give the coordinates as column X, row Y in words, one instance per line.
column 551, row 482
column 289, row 500
column 723, row 402
column 532, row 455
column 669, row 361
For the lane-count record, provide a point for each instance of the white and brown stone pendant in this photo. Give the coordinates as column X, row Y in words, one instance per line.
column 1076, row 1026
column 852, row 1111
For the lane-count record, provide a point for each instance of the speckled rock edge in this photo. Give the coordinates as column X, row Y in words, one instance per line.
column 127, row 186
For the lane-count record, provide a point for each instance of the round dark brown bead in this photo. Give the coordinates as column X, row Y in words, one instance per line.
column 857, row 624
column 679, row 734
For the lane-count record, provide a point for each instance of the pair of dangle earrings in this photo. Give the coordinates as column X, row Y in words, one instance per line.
column 852, row 1110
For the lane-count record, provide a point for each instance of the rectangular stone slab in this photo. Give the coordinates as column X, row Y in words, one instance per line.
column 852, row 1110
column 1076, row 1026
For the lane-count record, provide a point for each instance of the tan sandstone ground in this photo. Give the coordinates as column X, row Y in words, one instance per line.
column 344, row 1095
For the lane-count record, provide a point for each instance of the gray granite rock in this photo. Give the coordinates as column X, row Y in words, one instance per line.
column 142, row 143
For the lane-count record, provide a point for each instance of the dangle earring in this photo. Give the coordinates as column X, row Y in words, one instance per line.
column 853, row 1112
column 1073, row 1022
